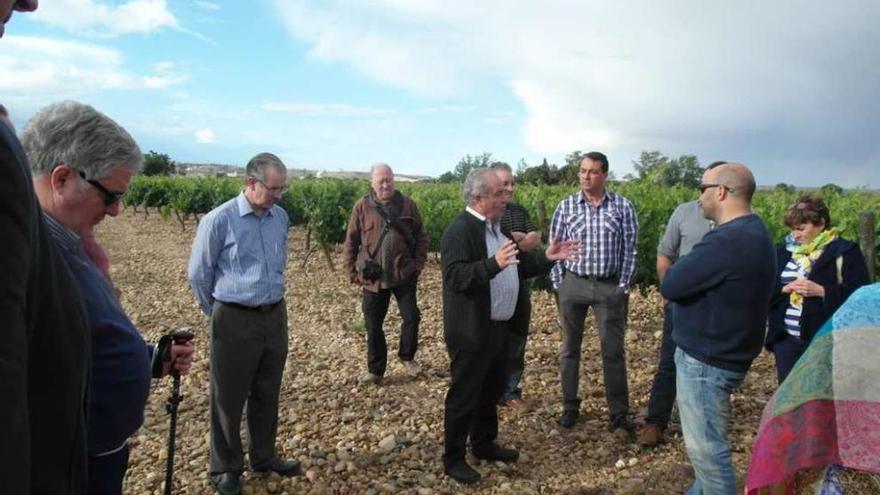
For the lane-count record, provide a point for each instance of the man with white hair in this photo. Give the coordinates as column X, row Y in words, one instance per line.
column 83, row 163
column 481, row 280
column 384, row 252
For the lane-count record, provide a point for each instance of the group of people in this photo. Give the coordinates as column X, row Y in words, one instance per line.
column 76, row 371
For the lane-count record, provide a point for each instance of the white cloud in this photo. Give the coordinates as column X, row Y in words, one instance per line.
column 745, row 79
column 102, row 20
column 59, row 68
column 205, row 136
column 325, row 109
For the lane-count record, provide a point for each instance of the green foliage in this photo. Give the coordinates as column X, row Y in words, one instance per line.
column 465, row 165
column 325, row 205
column 783, row 187
column 831, row 188
column 653, row 166
column 158, row 164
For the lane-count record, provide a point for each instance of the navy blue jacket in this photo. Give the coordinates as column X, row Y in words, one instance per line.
column 722, row 291
column 817, row 310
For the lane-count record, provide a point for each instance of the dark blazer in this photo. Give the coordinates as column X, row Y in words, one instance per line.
column 467, row 270
column 44, row 346
column 817, row 310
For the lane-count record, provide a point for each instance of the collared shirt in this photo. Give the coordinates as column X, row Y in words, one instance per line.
column 607, row 234
column 120, row 373
column 686, row 227
column 239, row 257
column 504, row 286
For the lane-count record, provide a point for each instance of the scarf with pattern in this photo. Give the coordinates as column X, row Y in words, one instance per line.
column 807, row 254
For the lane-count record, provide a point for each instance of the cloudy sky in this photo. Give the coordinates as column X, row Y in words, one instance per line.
column 790, row 88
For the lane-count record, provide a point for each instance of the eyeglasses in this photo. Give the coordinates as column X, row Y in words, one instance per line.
column 109, row 197
column 703, row 187
column 273, row 190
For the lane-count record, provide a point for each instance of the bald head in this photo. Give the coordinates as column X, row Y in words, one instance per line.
column 382, row 182
column 738, row 179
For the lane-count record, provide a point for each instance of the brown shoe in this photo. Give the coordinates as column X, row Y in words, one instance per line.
column 650, row 436
column 517, row 404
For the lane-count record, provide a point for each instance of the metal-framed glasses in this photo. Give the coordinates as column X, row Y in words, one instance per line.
column 109, row 197
column 273, row 190
column 703, row 187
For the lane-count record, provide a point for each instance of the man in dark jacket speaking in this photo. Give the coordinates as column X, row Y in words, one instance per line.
column 722, row 291
column 384, row 252
column 482, row 270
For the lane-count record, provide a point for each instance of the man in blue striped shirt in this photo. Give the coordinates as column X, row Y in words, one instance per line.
column 599, row 276
column 236, row 269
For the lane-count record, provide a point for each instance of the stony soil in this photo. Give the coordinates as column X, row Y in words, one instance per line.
column 352, row 438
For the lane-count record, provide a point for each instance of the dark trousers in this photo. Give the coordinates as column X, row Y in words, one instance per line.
column 472, row 400
column 576, row 296
column 516, row 346
column 663, row 388
column 375, row 307
column 248, row 352
column 107, row 472
column 787, row 351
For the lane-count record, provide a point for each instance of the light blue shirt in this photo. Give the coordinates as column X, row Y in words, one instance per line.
column 504, row 286
column 238, row 257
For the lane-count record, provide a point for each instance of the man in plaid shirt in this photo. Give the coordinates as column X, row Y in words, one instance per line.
column 599, row 277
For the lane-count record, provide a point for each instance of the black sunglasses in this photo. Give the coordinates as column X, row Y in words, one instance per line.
column 703, row 187
column 109, row 197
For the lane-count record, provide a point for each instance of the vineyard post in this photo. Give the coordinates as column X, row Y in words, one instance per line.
column 541, row 218
column 868, row 241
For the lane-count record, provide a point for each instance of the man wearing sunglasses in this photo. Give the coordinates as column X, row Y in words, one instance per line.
column 82, row 163
column 236, row 270
column 721, row 291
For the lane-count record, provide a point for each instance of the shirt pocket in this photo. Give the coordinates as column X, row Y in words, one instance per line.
column 577, row 226
column 611, row 222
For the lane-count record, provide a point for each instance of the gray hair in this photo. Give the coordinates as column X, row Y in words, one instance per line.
column 501, row 166
column 257, row 165
column 377, row 165
column 81, row 137
column 475, row 184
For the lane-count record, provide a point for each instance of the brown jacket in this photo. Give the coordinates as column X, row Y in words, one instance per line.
column 364, row 230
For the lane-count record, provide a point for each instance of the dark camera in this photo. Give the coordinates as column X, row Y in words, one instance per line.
column 371, row 270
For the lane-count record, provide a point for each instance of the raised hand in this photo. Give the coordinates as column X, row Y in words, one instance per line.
column 506, row 254
column 562, row 250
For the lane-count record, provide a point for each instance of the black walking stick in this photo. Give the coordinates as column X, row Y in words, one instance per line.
column 179, row 338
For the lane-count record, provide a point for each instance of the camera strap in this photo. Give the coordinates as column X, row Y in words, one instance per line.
column 386, row 227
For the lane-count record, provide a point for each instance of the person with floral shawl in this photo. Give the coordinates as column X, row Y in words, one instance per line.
column 827, row 412
column 818, row 270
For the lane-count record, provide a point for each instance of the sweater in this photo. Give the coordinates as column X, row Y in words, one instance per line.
column 722, row 293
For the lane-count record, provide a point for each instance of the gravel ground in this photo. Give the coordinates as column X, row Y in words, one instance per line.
column 352, row 438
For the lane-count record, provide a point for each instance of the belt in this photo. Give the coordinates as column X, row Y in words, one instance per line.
column 598, row 278
column 262, row 308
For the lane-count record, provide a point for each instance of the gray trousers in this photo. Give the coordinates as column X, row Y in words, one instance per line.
column 248, row 352
column 610, row 305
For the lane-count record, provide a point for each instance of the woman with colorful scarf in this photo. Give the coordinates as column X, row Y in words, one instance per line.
column 817, row 272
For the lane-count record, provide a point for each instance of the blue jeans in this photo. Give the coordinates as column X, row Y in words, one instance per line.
column 516, row 353
column 704, row 407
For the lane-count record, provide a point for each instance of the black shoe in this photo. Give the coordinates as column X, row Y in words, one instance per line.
column 568, row 418
column 497, row 453
column 621, row 422
column 284, row 468
column 226, row 483
column 462, row 473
